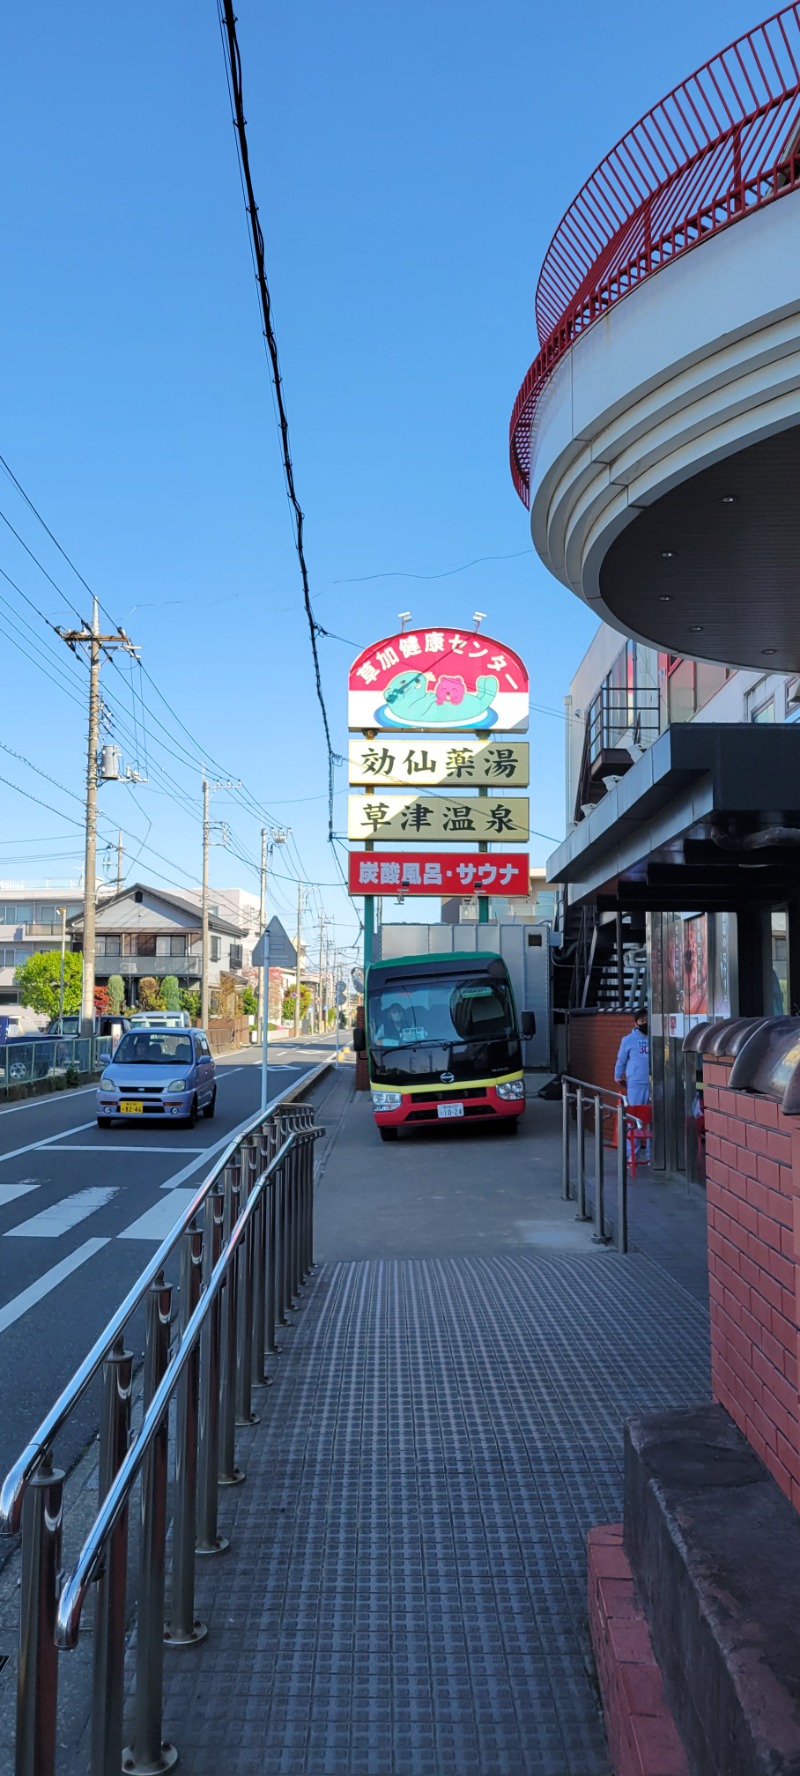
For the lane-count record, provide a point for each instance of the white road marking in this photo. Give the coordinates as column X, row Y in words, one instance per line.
column 205, row 1153
column 125, row 1147
column 64, row 1215
column 50, row 1280
column 10, row 1192
column 158, row 1221
column 49, row 1141
column 228, row 1074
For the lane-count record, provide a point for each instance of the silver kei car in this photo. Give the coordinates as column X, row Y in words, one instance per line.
column 164, row 1073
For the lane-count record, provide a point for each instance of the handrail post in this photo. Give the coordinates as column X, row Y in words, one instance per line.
column 147, row 1754
column 244, row 1319
column 209, row 1541
column 282, row 1232
column 184, row 1628
column 297, row 1172
column 37, row 1684
column 622, row 1180
column 229, row 1473
column 108, row 1651
column 260, row 1265
column 600, row 1237
column 581, row 1152
column 308, row 1210
column 565, row 1140
column 270, row 1216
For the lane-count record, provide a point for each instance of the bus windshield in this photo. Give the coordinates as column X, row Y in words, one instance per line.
column 449, row 1010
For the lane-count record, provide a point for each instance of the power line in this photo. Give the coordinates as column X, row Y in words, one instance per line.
column 234, row 74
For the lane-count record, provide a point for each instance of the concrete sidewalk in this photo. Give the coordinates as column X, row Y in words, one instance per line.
column 405, row 1589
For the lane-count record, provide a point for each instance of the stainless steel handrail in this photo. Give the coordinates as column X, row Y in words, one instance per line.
column 85, row 1570
column 246, row 1245
column 583, row 1094
column 20, row 1475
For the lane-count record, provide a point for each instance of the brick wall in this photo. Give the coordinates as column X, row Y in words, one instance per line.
column 753, row 1189
column 594, row 1039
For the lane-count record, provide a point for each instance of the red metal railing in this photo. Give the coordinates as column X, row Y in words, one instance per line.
column 723, row 144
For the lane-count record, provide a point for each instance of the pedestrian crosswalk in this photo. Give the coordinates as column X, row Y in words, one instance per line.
column 60, row 1217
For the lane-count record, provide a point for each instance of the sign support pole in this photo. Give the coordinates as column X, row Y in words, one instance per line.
column 369, row 924
column 483, row 899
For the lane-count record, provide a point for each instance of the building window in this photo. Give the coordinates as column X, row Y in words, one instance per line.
column 47, row 914
column 177, row 946
column 759, row 702
column 6, row 958
column 236, row 956
column 146, row 943
column 214, row 949
column 106, row 945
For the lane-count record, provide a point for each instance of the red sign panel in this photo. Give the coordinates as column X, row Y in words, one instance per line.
column 439, row 680
column 439, row 872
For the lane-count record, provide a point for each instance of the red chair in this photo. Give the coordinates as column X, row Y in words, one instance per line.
column 638, row 1126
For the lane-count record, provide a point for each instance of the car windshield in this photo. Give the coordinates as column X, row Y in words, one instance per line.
column 442, row 1011
column 154, row 1048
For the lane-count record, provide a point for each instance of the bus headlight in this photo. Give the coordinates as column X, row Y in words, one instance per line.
column 511, row 1088
column 387, row 1100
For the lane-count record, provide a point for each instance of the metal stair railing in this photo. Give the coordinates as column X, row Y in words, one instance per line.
column 246, row 1248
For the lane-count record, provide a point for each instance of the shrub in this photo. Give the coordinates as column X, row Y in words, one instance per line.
column 171, row 993
column 116, row 992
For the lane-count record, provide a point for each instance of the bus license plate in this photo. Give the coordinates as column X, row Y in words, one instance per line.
column 451, row 1110
column 130, row 1109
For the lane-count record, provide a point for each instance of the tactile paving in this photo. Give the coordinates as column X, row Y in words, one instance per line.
column 405, row 1591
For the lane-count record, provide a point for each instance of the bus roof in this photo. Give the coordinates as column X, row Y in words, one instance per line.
column 441, row 963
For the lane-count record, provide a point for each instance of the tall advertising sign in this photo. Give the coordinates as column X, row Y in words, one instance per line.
column 438, row 712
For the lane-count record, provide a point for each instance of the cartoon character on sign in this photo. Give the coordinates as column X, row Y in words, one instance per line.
column 423, row 699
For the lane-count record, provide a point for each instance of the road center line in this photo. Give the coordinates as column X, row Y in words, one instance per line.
column 124, row 1147
column 49, row 1281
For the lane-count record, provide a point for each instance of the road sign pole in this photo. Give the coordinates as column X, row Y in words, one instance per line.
column 265, row 1022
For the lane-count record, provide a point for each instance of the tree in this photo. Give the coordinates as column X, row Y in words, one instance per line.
column 149, row 996
column 116, row 992
column 249, row 1002
column 37, row 981
column 190, row 1001
column 171, row 993
column 102, row 1003
column 288, row 1003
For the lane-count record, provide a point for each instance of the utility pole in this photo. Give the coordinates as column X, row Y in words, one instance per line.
column 204, row 943
column 321, row 993
column 96, row 643
column 63, row 912
column 263, row 973
column 297, row 970
column 120, row 855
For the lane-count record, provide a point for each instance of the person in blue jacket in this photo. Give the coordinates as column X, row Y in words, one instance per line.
column 632, row 1070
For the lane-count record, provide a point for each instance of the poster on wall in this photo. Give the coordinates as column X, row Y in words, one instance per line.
column 695, row 966
column 442, row 679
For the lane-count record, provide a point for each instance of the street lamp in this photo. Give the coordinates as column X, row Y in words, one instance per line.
column 63, row 911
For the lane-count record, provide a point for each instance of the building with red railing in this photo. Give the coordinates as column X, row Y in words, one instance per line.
column 655, row 436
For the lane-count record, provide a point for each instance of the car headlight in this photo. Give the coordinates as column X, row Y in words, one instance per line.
column 108, row 1083
column 176, row 1085
column 387, row 1100
column 511, row 1088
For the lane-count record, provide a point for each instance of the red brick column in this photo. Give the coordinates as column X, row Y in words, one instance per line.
column 753, row 1188
column 593, row 1045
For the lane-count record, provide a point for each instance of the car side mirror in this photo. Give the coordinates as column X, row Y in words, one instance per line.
column 359, row 1040
column 104, row 1060
column 528, row 1023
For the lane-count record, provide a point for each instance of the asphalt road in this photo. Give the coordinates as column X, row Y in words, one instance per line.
column 80, row 1214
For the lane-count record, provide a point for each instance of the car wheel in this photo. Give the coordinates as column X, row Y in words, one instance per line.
column 210, row 1108
column 192, row 1116
column 388, row 1134
column 104, row 1122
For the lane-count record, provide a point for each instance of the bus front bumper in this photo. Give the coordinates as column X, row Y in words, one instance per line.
column 470, row 1103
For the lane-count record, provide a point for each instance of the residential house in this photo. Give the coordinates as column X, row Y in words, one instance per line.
column 151, row 931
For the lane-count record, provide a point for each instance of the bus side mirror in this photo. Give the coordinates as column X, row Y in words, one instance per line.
column 528, row 1022
column 359, row 1040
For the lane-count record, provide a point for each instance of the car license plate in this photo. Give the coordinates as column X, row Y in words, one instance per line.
column 130, row 1109
column 451, row 1110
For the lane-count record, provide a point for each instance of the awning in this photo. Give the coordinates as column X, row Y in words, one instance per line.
column 707, row 819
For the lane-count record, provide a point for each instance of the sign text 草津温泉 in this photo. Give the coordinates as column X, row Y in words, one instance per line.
column 436, row 761
column 439, row 819
column 440, row 679
column 446, row 873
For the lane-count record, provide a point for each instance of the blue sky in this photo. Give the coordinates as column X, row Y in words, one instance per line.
column 410, row 164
